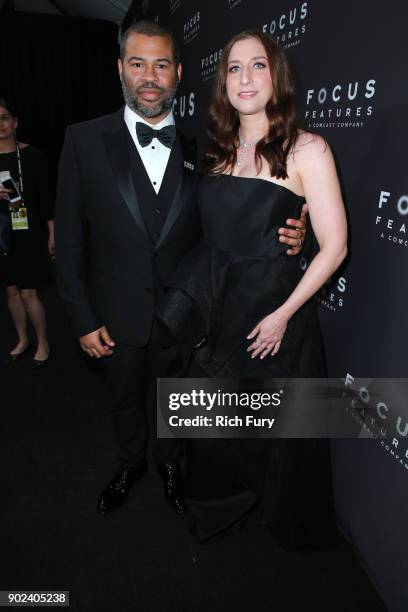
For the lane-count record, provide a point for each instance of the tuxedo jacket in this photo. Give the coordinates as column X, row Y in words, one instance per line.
column 113, row 250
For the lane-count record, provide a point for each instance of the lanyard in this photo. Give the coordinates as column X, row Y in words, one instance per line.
column 20, row 172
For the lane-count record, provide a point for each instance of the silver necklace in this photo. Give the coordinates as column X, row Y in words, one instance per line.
column 243, row 150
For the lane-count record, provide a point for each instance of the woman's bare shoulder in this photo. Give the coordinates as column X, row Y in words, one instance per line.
column 309, row 141
column 308, row 146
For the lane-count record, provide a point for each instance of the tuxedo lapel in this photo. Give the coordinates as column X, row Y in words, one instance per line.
column 118, row 155
column 185, row 185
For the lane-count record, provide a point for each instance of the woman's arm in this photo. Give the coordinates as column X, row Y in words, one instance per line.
column 51, row 239
column 317, row 170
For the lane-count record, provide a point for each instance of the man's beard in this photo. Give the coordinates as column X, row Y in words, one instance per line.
column 138, row 107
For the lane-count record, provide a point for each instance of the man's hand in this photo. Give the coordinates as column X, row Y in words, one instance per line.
column 98, row 343
column 295, row 237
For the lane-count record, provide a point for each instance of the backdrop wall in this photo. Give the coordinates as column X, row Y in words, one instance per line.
column 58, row 71
column 349, row 58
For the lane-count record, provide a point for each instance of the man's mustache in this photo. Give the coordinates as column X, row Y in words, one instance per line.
column 151, row 87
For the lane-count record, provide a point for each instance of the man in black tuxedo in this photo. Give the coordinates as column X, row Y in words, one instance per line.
column 125, row 217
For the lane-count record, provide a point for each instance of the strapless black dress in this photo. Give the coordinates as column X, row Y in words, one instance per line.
column 237, row 275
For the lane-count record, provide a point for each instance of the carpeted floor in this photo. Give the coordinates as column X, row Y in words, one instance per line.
column 56, row 455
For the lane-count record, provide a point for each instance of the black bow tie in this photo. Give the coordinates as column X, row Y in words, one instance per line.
column 145, row 134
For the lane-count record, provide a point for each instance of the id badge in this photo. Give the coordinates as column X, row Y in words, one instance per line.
column 19, row 218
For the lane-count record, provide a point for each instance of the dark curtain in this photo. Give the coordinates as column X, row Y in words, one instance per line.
column 58, row 70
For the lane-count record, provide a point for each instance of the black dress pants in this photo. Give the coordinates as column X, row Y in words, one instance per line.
column 131, row 374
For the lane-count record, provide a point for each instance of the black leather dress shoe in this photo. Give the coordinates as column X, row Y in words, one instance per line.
column 170, row 474
column 116, row 492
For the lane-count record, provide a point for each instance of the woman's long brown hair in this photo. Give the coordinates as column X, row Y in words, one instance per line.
column 223, row 119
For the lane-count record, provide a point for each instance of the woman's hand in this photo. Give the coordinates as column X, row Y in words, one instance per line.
column 51, row 245
column 4, row 193
column 268, row 334
column 51, row 239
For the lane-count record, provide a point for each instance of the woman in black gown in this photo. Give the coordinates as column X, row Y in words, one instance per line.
column 25, row 266
column 256, row 303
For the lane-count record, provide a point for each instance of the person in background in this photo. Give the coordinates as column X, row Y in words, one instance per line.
column 25, row 266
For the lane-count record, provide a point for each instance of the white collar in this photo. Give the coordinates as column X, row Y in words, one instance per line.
column 131, row 118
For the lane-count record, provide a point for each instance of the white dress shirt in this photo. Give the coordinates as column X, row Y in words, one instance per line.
column 156, row 155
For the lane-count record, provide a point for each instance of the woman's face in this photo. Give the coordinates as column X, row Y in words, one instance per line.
column 7, row 124
column 249, row 81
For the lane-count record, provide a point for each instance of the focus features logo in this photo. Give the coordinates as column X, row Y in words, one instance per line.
column 379, row 419
column 233, row 3
column 174, row 5
column 209, row 65
column 184, row 105
column 392, row 218
column 331, row 296
column 288, row 28
column 343, row 105
column 191, row 28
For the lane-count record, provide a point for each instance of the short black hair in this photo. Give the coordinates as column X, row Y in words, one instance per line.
column 149, row 28
column 9, row 106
